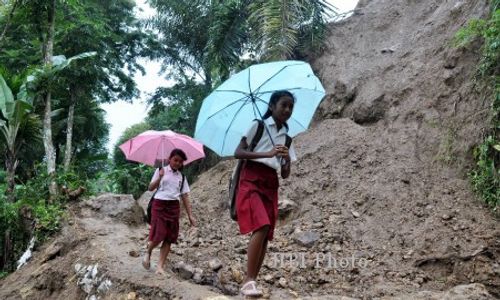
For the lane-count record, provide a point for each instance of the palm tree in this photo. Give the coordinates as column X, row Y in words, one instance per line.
column 18, row 125
column 211, row 37
column 282, row 28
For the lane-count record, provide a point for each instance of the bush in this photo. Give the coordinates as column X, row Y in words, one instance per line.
column 485, row 176
column 131, row 179
column 15, row 221
column 29, row 216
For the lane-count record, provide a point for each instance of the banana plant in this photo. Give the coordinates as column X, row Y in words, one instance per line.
column 18, row 125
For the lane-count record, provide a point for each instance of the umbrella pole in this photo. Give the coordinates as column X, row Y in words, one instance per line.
column 280, row 159
column 162, row 152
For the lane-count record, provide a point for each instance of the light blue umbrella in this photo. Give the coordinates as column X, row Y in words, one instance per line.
column 227, row 113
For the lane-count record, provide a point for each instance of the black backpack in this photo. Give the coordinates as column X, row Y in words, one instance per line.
column 150, row 204
column 235, row 177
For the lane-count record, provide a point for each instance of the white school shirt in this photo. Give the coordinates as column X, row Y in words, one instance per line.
column 264, row 144
column 170, row 185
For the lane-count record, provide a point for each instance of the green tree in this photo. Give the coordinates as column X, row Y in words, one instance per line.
column 111, row 29
column 18, row 125
column 130, row 177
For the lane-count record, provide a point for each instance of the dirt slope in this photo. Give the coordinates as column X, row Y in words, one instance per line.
column 380, row 187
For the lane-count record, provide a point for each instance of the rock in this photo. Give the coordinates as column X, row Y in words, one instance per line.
column 104, row 286
column 317, row 225
column 306, row 238
column 236, row 275
column 474, row 291
column 198, row 275
column 285, row 207
column 446, row 217
column 86, row 285
column 269, row 278
column 355, row 214
column 78, row 267
column 94, row 271
column 231, row 289
column 121, row 207
column 359, row 201
column 215, row 264
column 186, row 271
column 282, row 282
column 131, row 296
column 134, row 253
column 335, row 102
column 387, row 50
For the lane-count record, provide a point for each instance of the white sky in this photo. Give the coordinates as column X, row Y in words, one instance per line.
column 121, row 115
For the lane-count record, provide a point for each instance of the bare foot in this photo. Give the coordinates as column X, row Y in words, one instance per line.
column 160, row 271
column 146, row 261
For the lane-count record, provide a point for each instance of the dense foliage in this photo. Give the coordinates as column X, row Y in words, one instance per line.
column 60, row 59
column 485, row 177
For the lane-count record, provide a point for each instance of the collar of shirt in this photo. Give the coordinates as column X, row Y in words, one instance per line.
column 169, row 168
column 271, row 123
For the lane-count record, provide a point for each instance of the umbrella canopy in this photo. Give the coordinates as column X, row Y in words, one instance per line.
column 151, row 147
column 227, row 112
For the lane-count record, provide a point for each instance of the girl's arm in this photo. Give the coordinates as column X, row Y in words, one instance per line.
column 187, row 206
column 242, row 151
column 156, row 183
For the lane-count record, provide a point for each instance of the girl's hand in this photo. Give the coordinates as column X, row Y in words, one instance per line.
column 276, row 151
column 192, row 221
column 284, row 153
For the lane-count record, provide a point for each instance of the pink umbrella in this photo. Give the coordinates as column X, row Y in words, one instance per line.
column 151, row 147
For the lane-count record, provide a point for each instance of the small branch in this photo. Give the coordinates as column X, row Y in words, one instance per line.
column 11, row 14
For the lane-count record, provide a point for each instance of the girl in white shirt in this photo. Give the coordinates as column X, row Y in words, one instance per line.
column 172, row 187
column 257, row 198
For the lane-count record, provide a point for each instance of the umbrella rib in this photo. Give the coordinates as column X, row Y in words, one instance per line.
column 267, row 80
column 231, row 123
column 233, row 91
column 230, row 104
column 249, row 86
column 291, row 89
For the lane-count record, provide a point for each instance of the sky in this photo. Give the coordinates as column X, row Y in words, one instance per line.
column 121, row 115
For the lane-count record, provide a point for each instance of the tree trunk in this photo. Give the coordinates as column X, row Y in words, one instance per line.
column 68, row 151
column 7, row 250
column 10, row 166
column 50, row 154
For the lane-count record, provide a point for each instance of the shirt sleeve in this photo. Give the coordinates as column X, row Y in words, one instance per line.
column 156, row 175
column 251, row 132
column 185, row 188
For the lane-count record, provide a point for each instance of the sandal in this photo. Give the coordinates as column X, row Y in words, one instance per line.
column 250, row 289
column 146, row 264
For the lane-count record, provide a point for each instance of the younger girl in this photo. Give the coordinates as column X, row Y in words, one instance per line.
column 257, row 199
column 166, row 209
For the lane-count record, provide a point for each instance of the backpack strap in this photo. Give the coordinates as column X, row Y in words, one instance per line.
column 288, row 141
column 258, row 134
column 182, row 183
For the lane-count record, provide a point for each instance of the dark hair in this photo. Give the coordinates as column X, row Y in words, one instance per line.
column 179, row 152
column 274, row 100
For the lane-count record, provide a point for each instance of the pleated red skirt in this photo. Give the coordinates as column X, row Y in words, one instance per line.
column 257, row 199
column 164, row 221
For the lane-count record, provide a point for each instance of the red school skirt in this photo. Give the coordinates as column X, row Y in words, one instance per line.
column 164, row 221
column 257, row 199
